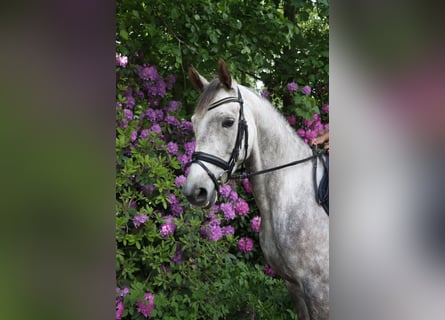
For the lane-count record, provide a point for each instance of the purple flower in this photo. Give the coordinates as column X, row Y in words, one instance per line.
column 301, row 132
column 228, row 230
column 177, row 257
column 154, row 115
column 189, row 147
column 130, row 101
column 125, row 291
column 242, row 207
column 119, row 310
column 306, row 122
column 311, row 134
column 245, row 244
column 156, row 128
column 147, row 72
column 325, row 108
column 268, row 270
column 255, row 224
column 170, row 81
column 172, row 148
column 306, row 90
column 179, row 181
column 186, row 125
column 214, row 231
column 176, row 209
column 228, row 210
column 143, row 308
column 144, row 134
column 121, row 60
column 173, row 105
column 128, row 114
column 184, row 159
column 246, row 185
column 292, row 120
column 225, row 190
column 265, row 93
column 139, row 220
column 233, row 196
column 316, row 117
column 139, row 94
column 292, row 86
column 175, row 206
column 168, row 228
column 133, row 136
column 172, row 121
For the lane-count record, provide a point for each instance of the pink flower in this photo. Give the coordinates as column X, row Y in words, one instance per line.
column 268, row 270
column 145, row 309
column 168, row 228
column 325, row 108
column 301, row 132
column 246, row 185
column 245, row 244
column 228, row 230
column 316, row 117
column 242, row 207
column 255, row 224
column 228, row 210
column 233, row 196
column 292, row 120
column 292, row 86
column 119, row 310
column 121, row 60
column 133, row 136
column 306, row 90
column 225, row 190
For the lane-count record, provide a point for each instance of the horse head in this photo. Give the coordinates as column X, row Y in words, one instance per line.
column 223, row 138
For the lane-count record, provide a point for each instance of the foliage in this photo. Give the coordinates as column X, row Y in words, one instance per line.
column 272, row 41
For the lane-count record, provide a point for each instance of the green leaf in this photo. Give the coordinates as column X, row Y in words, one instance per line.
column 124, row 34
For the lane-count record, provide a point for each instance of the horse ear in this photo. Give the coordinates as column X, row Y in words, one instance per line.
column 198, row 81
column 224, row 75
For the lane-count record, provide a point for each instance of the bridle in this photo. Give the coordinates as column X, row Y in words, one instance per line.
column 200, row 157
column 227, row 166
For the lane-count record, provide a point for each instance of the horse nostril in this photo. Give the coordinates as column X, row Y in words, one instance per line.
column 201, row 195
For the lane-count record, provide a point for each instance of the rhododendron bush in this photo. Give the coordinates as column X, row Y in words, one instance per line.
column 174, row 261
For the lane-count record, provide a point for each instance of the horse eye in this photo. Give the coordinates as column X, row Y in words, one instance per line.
column 227, row 123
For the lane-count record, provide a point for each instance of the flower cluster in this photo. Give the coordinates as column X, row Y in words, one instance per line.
column 120, row 295
column 230, row 207
column 144, row 308
column 313, row 128
column 245, row 244
column 139, row 220
column 255, row 224
column 167, row 228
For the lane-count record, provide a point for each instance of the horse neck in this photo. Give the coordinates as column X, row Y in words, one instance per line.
column 276, row 141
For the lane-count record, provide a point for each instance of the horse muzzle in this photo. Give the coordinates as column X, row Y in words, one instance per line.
column 199, row 196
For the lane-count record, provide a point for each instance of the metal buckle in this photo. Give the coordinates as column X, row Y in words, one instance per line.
column 223, row 177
